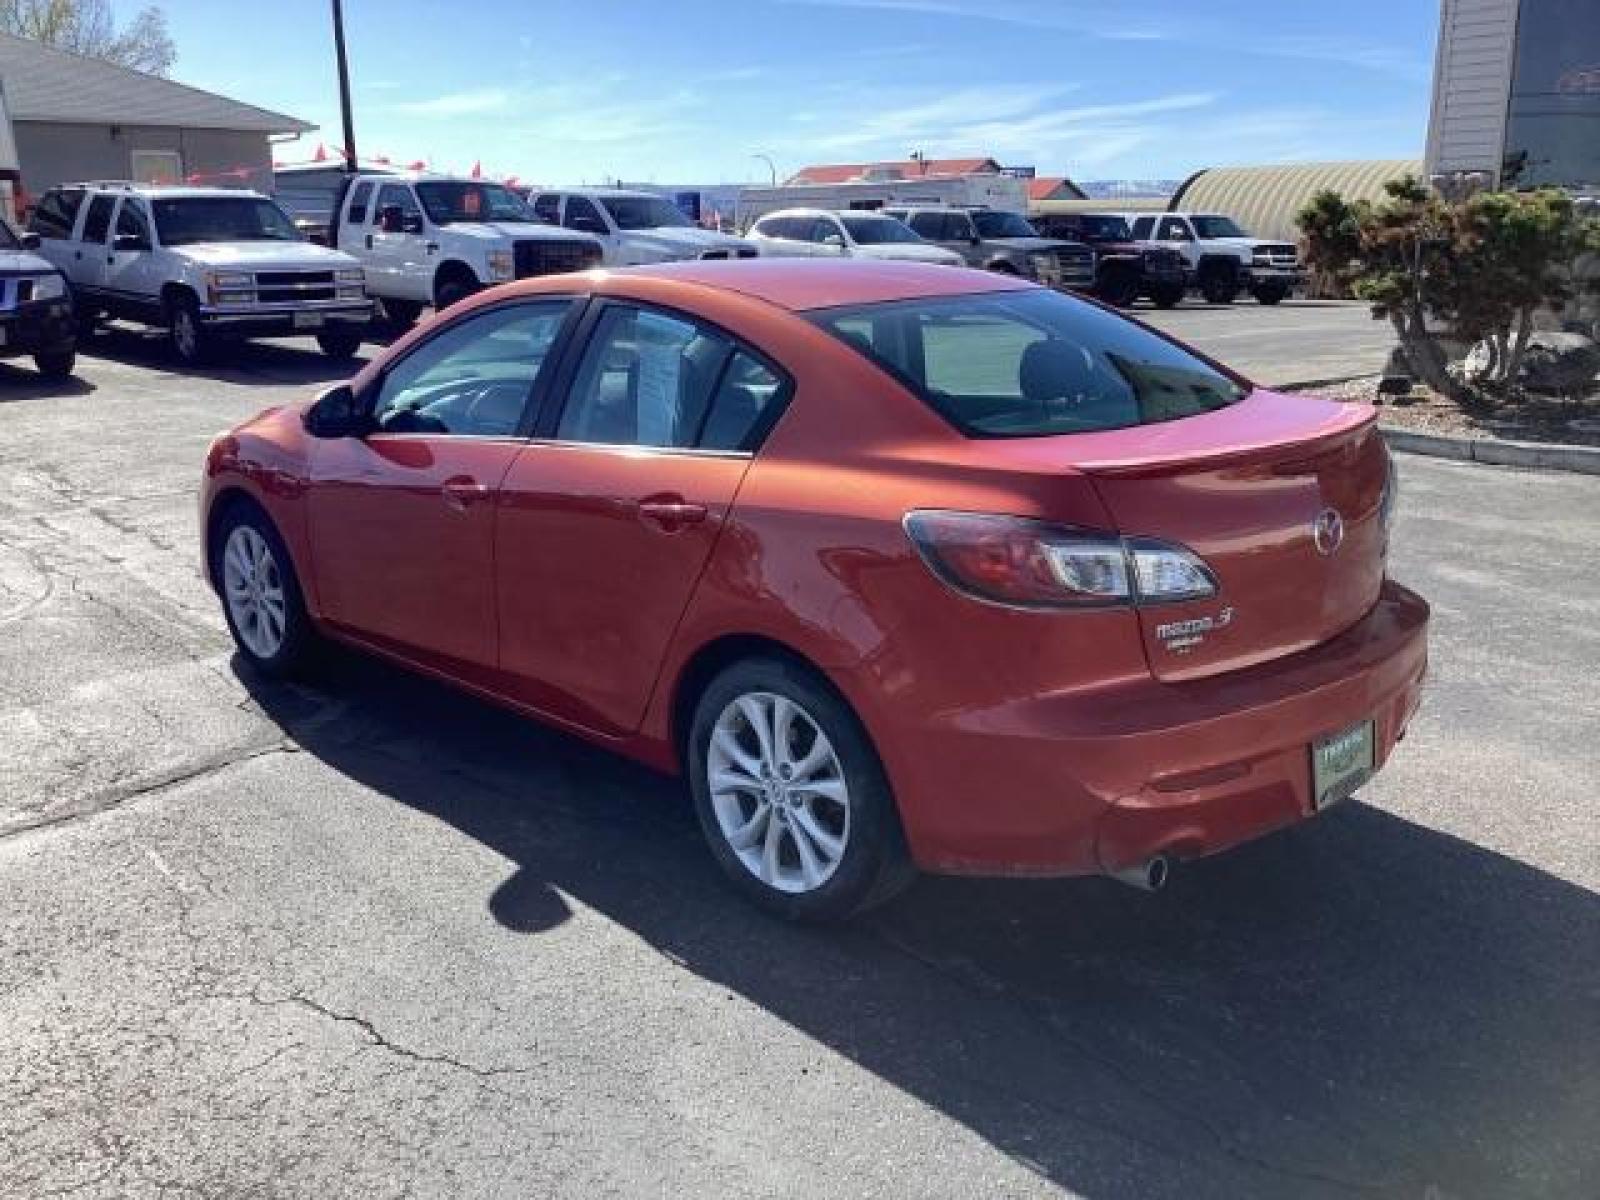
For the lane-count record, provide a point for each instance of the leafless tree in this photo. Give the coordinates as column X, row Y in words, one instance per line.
column 88, row 27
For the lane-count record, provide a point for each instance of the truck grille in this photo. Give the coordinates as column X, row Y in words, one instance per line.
column 720, row 252
column 1275, row 255
column 553, row 258
column 279, row 287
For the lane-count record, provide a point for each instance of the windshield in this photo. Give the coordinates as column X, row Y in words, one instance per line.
column 186, row 220
column 643, row 212
column 1104, row 229
column 450, row 202
column 1031, row 364
column 1002, row 225
column 877, row 231
column 1216, row 227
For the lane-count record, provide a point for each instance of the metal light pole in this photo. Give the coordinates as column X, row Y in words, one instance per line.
column 771, row 169
column 344, row 88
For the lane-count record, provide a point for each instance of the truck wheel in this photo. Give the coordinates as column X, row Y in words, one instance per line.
column 1218, row 285
column 1120, row 290
column 453, row 291
column 1169, row 296
column 1271, row 293
column 56, row 366
column 186, row 336
column 339, row 343
column 400, row 315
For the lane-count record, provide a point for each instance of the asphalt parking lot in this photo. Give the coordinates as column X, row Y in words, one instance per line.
column 365, row 937
column 1294, row 342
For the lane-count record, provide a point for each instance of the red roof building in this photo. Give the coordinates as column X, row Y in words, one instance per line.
column 1053, row 187
column 905, row 169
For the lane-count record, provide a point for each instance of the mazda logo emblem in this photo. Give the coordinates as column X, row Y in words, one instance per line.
column 1327, row 531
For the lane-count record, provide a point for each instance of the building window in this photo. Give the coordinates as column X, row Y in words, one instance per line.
column 1553, row 123
column 157, row 166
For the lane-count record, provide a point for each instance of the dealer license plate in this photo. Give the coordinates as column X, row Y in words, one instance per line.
column 308, row 320
column 1341, row 763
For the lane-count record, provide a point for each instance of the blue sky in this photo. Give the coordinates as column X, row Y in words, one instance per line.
column 690, row 91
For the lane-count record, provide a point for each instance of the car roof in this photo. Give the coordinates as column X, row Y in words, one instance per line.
column 827, row 212
column 166, row 190
column 801, row 285
column 598, row 193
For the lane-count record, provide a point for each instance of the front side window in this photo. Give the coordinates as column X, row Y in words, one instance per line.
column 1553, row 122
column 1031, row 364
column 1173, row 229
column 644, row 212
column 927, row 224
column 97, row 224
column 584, row 216
column 185, row 220
column 548, row 208
column 823, row 228
column 651, row 379
column 957, row 227
column 1143, row 226
column 448, row 203
column 1217, row 227
column 396, row 195
column 877, row 231
column 57, row 213
column 132, row 222
column 473, row 379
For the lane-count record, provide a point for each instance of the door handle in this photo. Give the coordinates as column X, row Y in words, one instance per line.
column 671, row 513
column 369, row 241
column 461, row 493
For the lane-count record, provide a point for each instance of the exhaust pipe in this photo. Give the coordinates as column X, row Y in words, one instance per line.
column 1148, row 876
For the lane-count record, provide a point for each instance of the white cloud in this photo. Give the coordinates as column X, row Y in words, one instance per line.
column 458, row 104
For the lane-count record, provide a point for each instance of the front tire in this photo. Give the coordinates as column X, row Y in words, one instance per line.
column 186, row 336
column 452, row 291
column 1169, row 296
column 261, row 596
column 56, row 366
column 339, row 343
column 1271, row 294
column 1219, row 286
column 791, row 796
column 399, row 315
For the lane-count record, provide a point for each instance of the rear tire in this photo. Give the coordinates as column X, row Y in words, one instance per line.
column 1270, row 294
column 56, row 366
column 1219, row 286
column 791, row 796
column 1120, row 290
column 339, row 343
column 261, row 597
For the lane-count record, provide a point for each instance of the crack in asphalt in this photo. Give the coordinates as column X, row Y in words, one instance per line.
column 376, row 1037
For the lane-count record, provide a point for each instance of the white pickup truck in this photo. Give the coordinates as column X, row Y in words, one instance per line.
column 433, row 240
column 202, row 263
column 636, row 227
column 1223, row 259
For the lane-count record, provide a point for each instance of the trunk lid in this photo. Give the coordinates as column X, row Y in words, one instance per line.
column 1281, row 496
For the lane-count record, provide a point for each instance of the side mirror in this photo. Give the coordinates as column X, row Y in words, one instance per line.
column 392, row 219
column 30, row 241
column 411, row 223
column 834, row 240
column 336, row 414
column 590, row 225
column 129, row 243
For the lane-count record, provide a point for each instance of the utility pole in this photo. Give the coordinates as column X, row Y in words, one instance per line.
column 344, row 88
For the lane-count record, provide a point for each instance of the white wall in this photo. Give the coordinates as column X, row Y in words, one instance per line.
column 52, row 153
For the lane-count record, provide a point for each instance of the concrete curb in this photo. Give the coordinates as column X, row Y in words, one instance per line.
column 1581, row 460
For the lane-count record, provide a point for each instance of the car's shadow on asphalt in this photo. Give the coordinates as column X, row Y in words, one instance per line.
column 1359, row 1005
column 20, row 383
column 233, row 361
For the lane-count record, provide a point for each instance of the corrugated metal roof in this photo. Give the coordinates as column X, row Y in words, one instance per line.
column 1265, row 199
column 1108, row 204
column 45, row 84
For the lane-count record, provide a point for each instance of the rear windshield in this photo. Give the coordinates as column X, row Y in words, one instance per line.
column 1031, row 364
column 877, row 231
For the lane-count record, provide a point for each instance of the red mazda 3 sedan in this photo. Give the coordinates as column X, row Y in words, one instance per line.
column 903, row 567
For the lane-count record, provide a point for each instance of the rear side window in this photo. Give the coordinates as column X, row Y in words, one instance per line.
column 929, row 225
column 98, row 223
column 1031, row 364
column 358, row 203
column 659, row 380
column 56, row 213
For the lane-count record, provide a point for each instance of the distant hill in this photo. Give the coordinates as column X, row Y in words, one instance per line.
column 1128, row 189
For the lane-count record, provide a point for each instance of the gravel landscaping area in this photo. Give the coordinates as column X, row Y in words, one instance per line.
column 1525, row 418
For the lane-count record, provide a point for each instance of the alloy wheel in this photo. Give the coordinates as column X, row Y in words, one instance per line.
column 254, row 590
column 185, row 334
column 778, row 792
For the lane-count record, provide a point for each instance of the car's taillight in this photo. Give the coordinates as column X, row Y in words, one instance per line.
column 1035, row 564
column 1391, row 491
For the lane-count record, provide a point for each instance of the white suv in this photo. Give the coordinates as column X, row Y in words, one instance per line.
column 203, row 263
column 819, row 233
column 636, row 227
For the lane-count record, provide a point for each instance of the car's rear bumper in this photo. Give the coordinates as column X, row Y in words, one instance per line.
column 1095, row 781
column 43, row 328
